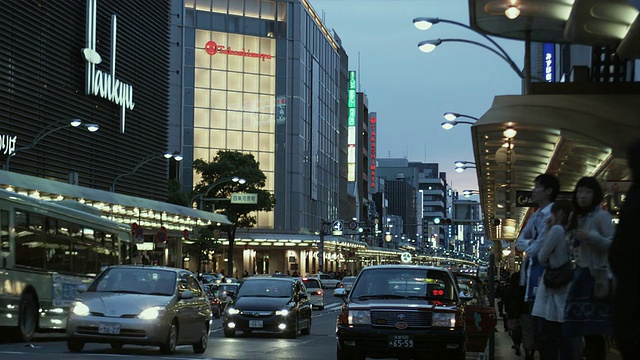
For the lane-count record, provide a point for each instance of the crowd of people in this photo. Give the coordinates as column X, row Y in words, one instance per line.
column 578, row 283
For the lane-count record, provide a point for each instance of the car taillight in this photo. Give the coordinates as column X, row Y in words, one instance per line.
column 318, row 292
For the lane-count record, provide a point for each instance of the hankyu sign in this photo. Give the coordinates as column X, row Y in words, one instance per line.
column 244, row 198
column 212, row 48
column 8, row 144
column 99, row 83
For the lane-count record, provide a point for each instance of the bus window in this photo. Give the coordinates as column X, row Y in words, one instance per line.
column 30, row 239
column 5, row 247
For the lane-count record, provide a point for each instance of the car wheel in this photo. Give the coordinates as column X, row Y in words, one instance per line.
column 27, row 317
column 75, row 345
column 169, row 346
column 201, row 345
column 116, row 346
column 307, row 330
column 229, row 332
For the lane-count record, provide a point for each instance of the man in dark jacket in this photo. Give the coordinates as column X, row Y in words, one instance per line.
column 623, row 261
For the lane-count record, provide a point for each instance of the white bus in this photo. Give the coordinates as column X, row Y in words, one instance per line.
column 48, row 248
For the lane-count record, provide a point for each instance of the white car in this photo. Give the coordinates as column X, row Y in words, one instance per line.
column 326, row 280
column 316, row 294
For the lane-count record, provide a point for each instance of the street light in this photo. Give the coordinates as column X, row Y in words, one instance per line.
column 468, row 193
column 452, row 121
column 463, row 163
column 48, row 130
column 176, row 155
column 430, row 45
column 208, row 189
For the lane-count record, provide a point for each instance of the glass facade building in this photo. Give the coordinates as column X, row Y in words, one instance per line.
column 260, row 77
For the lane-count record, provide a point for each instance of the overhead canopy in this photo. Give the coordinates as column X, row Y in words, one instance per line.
column 570, row 136
column 119, row 205
column 613, row 23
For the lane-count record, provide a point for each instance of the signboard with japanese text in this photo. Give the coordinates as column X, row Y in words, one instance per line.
column 244, row 198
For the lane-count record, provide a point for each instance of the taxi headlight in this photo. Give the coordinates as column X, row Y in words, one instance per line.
column 444, row 319
column 283, row 312
column 359, row 317
column 233, row 311
column 150, row 313
column 79, row 309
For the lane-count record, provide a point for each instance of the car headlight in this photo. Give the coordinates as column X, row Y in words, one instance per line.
column 233, row 311
column 444, row 319
column 150, row 313
column 359, row 317
column 79, row 309
column 283, row 312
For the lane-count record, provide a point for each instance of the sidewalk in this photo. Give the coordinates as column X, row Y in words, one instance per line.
column 503, row 350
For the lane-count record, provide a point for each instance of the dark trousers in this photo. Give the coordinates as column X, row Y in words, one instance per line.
column 552, row 345
column 594, row 347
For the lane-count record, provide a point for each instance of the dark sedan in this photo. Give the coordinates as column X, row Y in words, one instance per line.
column 401, row 311
column 275, row 304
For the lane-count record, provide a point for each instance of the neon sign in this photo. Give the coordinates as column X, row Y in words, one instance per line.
column 212, row 48
column 351, row 128
column 99, row 83
column 372, row 150
column 549, row 53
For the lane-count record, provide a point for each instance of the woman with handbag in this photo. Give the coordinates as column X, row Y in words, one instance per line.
column 588, row 311
column 554, row 287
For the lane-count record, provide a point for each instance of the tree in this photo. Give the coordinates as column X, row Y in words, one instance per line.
column 228, row 164
column 207, row 240
column 175, row 194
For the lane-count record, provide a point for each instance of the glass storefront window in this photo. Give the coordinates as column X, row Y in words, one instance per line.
column 218, row 79
column 219, row 6
column 234, row 140
column 267, row 124
column 250, row 64
column 251, row 102
column 235, row 81
column 201, row 78
column 266, row 161
column 250, row 121
column 268, row 10
column 218, row 138
column 267, row 84
column 250, row 83
column 234, row 100
column 218, row 119
column 203, row 60
column 218, row 99
column 266, row 142
column 267, row 103
column 201, row 118
column 203, row 5
column 201, row 98
column 236, row 7
column 249, row 141
column 200, row 137
column 234, row 120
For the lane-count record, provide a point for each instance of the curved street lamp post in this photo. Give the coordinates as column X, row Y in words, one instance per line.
column 452, row 121
column 49, row 129
column 176, row 155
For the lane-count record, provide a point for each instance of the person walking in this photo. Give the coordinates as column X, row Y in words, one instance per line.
column 550, row 300
column 626, row 312
column 591, row 231
column 544, row 192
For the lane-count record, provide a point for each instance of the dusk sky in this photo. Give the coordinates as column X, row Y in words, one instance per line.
column 411, row 90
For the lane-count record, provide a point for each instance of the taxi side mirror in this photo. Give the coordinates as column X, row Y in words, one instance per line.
column 186, row 295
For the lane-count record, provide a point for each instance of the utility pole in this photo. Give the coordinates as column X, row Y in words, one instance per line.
column 321, row 245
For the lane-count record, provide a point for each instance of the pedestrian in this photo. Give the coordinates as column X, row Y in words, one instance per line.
column 625, row 267
column 549, row 303
column 591, row 231
column 514, row 307
column 544, row 192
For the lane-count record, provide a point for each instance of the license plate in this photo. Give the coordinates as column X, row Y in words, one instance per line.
column 400, row 341
column 255, row 323
column 109, row 328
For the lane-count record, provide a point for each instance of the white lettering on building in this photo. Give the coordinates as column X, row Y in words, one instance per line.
column 99, row 83
column 8, row 144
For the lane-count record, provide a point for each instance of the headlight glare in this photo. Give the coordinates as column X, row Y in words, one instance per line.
column 80, row 309
column 150, row 313
column 283, row 312
column 444, row 319
column 233, row 311
column 359, row 317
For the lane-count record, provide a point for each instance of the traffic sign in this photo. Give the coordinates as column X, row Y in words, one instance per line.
column 405, row 257
column 353, row 224
column 337, row 227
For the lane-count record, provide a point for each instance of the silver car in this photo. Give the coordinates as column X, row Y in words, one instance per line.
column 314, row 289
column 156, row 306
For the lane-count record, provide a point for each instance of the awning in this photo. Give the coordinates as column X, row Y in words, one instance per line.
column 570, row 136
column 111, row 204
column 613, row 23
